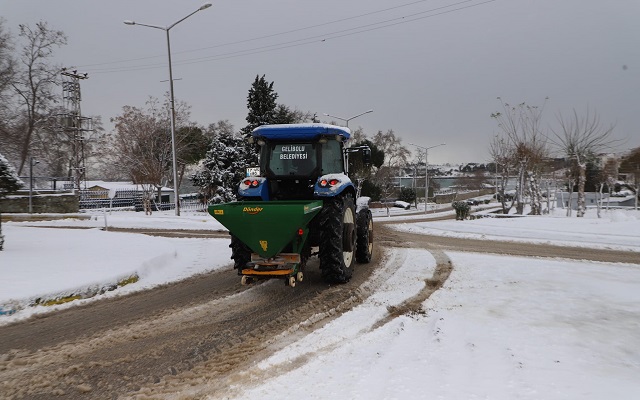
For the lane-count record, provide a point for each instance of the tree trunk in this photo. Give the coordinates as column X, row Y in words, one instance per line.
column 599, row 202
column 536, row 194
column 570, row 201
column 520, row 190
column 26, row 144
column 582, row 179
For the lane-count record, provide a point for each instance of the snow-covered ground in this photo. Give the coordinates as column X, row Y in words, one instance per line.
column 501, row 328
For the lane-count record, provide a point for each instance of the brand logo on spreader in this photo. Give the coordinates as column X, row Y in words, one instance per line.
column 252, row 210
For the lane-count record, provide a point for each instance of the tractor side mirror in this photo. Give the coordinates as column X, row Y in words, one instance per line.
column 366, row 156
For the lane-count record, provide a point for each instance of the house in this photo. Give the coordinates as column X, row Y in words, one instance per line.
column 100, row 194
column 592, row 199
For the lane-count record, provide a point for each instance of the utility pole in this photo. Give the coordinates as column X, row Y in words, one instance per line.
column 74, row 125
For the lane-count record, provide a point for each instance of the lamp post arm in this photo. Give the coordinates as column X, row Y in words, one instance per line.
column 356, row 116
column 147, row 25
column 348, row 119
column 177, row 22
column 333, row 116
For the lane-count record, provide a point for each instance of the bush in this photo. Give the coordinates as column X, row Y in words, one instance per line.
column 371, row 190
column 407, row 195
column 462, row 210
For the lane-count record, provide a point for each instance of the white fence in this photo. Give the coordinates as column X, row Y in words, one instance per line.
column 132, row 200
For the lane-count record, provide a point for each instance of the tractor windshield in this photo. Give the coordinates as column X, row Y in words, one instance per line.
column 292, row 159
column 332, row 158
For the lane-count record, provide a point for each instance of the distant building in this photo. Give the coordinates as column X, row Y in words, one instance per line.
column 101, row 194
column 592, row 198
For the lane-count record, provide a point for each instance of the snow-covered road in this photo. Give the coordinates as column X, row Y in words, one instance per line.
column 501, row 327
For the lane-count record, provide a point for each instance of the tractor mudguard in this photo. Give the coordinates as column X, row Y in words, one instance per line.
column 332, row 185
column 254, row 186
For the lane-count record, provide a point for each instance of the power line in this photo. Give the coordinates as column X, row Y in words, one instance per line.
column 264, row 36
column 305, row 41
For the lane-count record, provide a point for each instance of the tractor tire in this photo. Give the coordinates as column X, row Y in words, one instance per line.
column 337, row 239
column 364, row 242
column 240, row 253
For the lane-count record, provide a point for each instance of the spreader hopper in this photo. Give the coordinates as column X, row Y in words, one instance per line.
column 267, row 227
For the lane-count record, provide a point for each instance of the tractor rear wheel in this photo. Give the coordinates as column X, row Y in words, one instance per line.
column 240, row 253
column 364, row 244
column 337, row 239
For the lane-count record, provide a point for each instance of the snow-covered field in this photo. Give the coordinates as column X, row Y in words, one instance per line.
column 501, row 328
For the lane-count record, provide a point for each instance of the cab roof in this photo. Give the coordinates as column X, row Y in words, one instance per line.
column 300, row 131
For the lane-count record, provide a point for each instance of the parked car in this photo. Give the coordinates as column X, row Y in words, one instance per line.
column 402, row 204
column 473, row 202
column 507, row 196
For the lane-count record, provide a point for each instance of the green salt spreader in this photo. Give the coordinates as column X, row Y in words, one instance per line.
column 299, row 202
column 268, row 228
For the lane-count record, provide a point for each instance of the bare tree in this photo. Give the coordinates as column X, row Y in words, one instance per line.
column 7, row 70
column 34, row 84
column 606, row 177
column 579, row 138
column 395, row 154
column 385, row 181
column 395, row 157
column 504, row 159
column 521, row 126
column 140, row 147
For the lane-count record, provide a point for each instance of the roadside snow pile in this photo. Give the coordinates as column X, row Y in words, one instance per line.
column 50, row 266
column 617, row 230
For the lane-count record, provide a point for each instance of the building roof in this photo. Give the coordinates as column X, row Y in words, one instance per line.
column 120, row 186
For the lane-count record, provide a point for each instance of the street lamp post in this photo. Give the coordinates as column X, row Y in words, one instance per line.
column 32, row 162
column 350, row 118
column 426, row 171
column 172, row 99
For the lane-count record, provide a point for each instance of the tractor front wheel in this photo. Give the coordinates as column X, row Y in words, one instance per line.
column 337, row 239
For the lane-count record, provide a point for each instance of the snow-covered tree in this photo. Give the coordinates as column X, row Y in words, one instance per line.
column 9, row 180
column 223, row 166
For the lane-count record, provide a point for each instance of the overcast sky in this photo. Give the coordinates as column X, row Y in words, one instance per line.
column 431, row 70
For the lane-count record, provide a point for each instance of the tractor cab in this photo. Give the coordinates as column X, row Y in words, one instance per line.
column 293, row 158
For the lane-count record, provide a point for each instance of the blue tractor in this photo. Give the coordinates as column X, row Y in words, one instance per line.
column 299, row 203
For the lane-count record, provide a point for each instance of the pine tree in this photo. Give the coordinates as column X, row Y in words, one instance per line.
column 9, row 180
column 261, row 103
